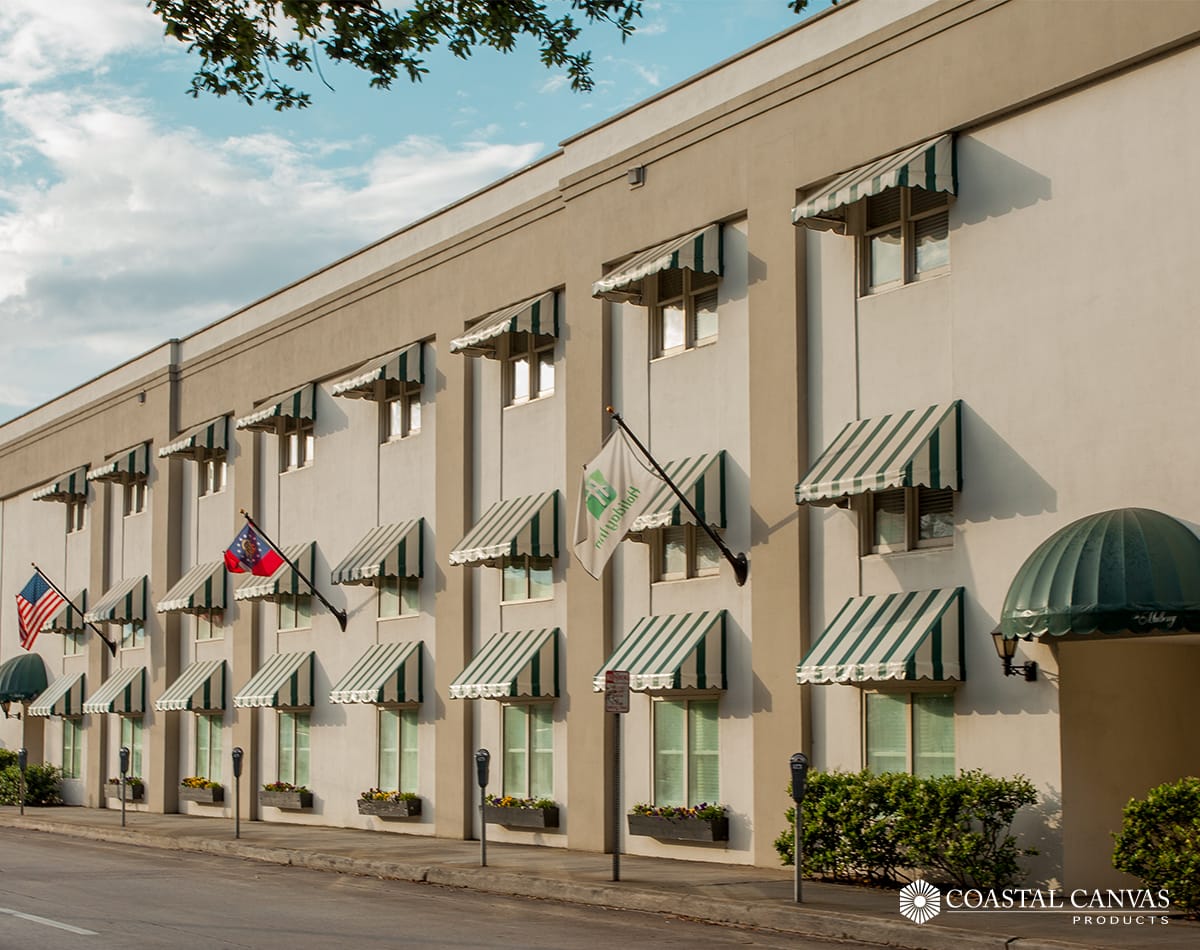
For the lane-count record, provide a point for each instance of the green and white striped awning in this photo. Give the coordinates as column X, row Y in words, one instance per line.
column 298, row 404
column 913, row 636
column 285, row 680
column 123, row 692
column 199, row 591
column 672, row 651
column 284, row 580
column 208, row 439
column 403, row 366
column 200, row 687
column 512, row 665
column 69, row 487
column 67, row 619
column 124, row 466
column 391, row 550
column 920, row 447
column 526, row 525
column 702, row 479
column 538, row 315
column 63, row 698
column 929, row 165
column 698, row 251
column 124, row 603
column 386, row 673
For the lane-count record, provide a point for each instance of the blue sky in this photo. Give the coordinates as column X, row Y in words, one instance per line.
column 131, row 213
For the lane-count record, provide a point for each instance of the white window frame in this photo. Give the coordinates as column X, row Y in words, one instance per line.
column 525, row 356
column 135, row 495
column 526, row 563
column 73, row 642
column 692, row 287
column 295, row 612
column 212, row 472
column 905, row 223
column 694, row 538
column 207, row 733
column 397, row 597
column 690, row 796
column 398, row 761
column 133, row 635
column 131, row 737
column 522, row 785
column 297, row 443
column 400, row 413
column 210, row 625
column 72, row 752
column 76, row 515
column 916, row 500
column 296, row 766
column 912, row 707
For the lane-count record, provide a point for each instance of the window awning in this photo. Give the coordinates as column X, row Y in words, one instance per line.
column 1131, row 571
column 200, row 590
column 402, row 366
column 63, row 698
column 124, row 603
column 22, row 678
column 285, row 680
column 200, row 687
column 284, row 580
column 929, row 165
column 212, row 437
column 672, row 651
column 537, row 315
column 390, row 550
column 526, row 525
column 69, row 487
column 702, row 479
column 913, row 636
column 124, row 467
column 67, row 619
column 298, row 404
column 698, row 251
column 386, row 673
column 123, row 692
column 902, row 450
column 512, row 665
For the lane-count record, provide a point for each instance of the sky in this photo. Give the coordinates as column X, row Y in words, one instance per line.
column 131, row 213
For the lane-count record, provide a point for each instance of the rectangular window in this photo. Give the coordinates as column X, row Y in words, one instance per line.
column 133, row 635
column 73, row 643
column 293, row 747
column 211, row 473
column 907, row 237
column 527, row 578
column 72, row 747
column 208, row 625
column 297, row 443
column 685, row 314
column 909, row 732
column 398, row 596
column 529, row 751
column 76, row 515
column 135, row 494
column 402, row 414
column 528, row 368
column 131, row 738
column 684, row 551
column 208, row 748
column 398, row 750
column 295, row 611
column 686, row 752
column 904, row 519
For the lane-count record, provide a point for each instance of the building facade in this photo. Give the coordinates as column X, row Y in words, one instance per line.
column 896, row 295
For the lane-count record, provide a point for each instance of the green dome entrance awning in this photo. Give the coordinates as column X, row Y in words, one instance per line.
column 1127, row 571
column 22, row 678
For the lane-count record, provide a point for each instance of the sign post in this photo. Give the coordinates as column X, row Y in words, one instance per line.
column 616, row 701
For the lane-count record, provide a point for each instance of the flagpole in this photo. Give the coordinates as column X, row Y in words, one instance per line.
column 741, row 567
column 339, row 614
column 112, row 647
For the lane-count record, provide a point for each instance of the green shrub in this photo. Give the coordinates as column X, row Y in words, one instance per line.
column 877, row 827
column 1159, row 841
column 7, row 757
column 43, row 785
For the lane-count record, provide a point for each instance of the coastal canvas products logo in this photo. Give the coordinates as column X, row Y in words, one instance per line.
column 920, row 901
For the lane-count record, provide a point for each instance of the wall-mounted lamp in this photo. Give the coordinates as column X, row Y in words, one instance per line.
column 1006, row 649
column 6, row 705
column 636, row 176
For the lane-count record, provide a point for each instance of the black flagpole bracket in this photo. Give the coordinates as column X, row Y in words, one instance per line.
column 112, row 646
column 339, row 615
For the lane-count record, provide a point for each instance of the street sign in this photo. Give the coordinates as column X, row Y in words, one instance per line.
column 616, row 691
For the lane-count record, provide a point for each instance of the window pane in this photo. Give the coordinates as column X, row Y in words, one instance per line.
column 886, row 258
column 414, row 413
column 706, row 316
column 389, row 596
column 395, row 419
column 931, row 236
column 515, row 752
column 287, row 747
column 293, row 449
column 516, row 579
column 408, row 750
column 389, row 750
column 303, row 610
column 674, row 553
column 215, row 759
column 219, row 473
column 670, row 284
column 887, row 732
column 410, row 596
column 883, row 209
column 673, row 327
column 703, row 758
column 889, row 517
column 935, row 514
column 708, row 555
column 520, row 379
column 541, row 577
column 920, row 200
column 310, row 447
column 302, row 724
column 541, row 777
column 933, row 735
column 287, row 612
column 668, row 753
column 203, row 730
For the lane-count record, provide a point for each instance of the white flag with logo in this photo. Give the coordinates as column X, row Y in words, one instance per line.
column 616, row 489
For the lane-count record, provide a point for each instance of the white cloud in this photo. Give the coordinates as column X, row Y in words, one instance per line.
column 554, row 83
column 653, row 28
column 651, row 76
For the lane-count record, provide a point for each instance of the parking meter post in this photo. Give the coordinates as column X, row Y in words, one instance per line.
column 616, row 803
column 237, row 791
column 482, row 759
column 798, row 764
column 124, row 754
column 22, row 762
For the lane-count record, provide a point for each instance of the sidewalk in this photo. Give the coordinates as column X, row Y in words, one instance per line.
column 732, row 894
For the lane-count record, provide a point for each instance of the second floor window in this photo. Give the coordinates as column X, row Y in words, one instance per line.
column 402, row 415
column 133, row 634
column 685, row 314
column 76, row 515
column 907, row 237
column 295, row 611
column 297, row 443
column 528, row 578
column 904, row 519
column 685, row 551
column 208, row 626
column 528, row 368
column 210, row 474
column 398, row 596
column 135, row 493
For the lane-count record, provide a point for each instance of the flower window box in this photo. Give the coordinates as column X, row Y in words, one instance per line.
column 293, row 799
column 133, row 792
column 520, row 812
column 700, row 823
column 390, row 808
column 205, row 796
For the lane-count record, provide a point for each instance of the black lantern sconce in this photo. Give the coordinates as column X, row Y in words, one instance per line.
column 1006, row 649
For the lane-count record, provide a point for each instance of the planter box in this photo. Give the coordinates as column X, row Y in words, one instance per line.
column 133, row 793
column 206, row 796
column 293, row 800
column 521, row 817
column 405, row 809
column 680, row 829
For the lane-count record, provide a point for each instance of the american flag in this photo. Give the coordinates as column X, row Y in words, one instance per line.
column 36, row 604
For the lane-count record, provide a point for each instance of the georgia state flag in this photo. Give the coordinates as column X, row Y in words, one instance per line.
column 249, row 552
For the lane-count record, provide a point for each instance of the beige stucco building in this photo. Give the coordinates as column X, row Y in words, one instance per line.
column 919, row 298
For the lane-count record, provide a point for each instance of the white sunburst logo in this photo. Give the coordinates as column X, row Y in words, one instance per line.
column 920, row 901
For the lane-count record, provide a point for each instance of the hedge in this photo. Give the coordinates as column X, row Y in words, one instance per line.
column 1159, row 841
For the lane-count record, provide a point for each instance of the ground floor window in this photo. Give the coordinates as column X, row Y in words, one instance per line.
column 686, row 752
column 398, row 750
column 208, row 748
column 293, row 747
column 72, row 747
column 131, row 739
column 909, row 732
column 529, row 751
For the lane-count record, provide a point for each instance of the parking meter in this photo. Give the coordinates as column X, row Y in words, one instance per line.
column 799, row 766
column 124, row 760
column 237, row 761
column 237, row 790
column 483, row 759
